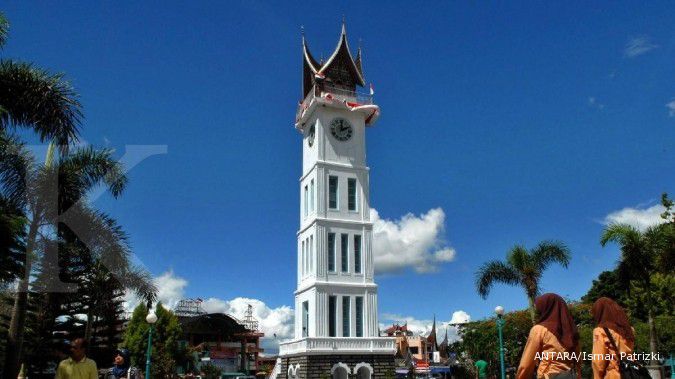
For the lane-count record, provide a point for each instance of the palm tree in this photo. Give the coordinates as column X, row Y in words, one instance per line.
column 38, row 196
column 34, row 98
column 522, row 268
column 31, row 98
column 641, row 252
column 53, row 196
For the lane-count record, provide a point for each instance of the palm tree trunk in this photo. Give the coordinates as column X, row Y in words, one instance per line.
column 652, row 335
column 533, row 312
column 17, row 324
column 87, row 329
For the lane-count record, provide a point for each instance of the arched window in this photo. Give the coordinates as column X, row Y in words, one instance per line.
column 340, row 371
column 293, row 371
column 363, row 371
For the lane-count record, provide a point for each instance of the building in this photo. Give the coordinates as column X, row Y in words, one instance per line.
column 421, row 354
column 219, row 339
column 336, row 324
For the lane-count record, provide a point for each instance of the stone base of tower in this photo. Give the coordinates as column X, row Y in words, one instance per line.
column 361, row 366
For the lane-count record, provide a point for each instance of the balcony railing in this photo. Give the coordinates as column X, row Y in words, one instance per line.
column 336, row 93
column 338, row 345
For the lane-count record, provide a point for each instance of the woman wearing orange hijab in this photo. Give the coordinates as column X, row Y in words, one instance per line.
column 609, row 316
column 551, row 342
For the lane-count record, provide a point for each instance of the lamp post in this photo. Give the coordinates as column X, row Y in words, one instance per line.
column 151, row 319
column 499, row 310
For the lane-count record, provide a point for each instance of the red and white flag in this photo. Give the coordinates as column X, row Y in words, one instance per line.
column 372, row 90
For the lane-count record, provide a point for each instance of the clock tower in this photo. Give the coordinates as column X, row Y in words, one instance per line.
column 336, row 325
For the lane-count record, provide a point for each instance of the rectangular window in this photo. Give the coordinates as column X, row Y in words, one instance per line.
column 357, row 254
column 305, row 318
column 311, row 254
column 305, row 204
column 359, row 316
column 331, row 251
column 344, row 252
column 351, row 194
column 333, row 192
column 332, row 316
column 345, row 316
column 311, row 196
column 302, row 259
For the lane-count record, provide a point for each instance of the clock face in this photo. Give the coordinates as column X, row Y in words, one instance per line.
column 310, row 136
column 341, row 129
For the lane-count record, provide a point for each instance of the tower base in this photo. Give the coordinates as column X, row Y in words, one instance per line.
column 339, row 366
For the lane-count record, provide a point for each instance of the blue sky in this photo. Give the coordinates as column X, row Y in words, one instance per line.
column 521, row 122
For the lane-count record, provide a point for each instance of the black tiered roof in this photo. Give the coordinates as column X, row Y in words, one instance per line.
column 340, row 70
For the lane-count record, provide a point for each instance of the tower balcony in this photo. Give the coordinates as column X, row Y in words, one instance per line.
column 331, row 95
column 338, row 345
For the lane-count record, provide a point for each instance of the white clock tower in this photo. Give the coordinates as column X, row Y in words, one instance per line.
column 336, row 326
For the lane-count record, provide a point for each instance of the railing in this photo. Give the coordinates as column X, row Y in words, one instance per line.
column 339, row 94
column 338, row 345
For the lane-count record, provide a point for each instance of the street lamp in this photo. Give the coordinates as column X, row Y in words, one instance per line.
column 151, row 319
column 499, row 310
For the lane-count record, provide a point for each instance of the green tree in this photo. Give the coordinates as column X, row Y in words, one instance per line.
column 12, row 241
column 522, row 268
column 608, row 284
column 641, row 253
column 44, row 102
column 211, row 371
column 166, row 350
column 662, row 292
column 478, row 340
column 53, row 196
column 34, row 98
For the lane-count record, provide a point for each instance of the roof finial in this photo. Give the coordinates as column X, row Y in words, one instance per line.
column 302, row 31
column 344, row 28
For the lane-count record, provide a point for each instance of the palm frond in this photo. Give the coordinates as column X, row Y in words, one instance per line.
column 16, row 167
column 34, row 98
column 100, row 233
column 622, row 234
column 548, row 252
column 85, row 168
column 492, row 272
column 518, row 257
column 12, row 242
column 4, row 29
column 141, row 282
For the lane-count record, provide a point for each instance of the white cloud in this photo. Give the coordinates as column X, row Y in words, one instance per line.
column 671, row 108
column 279, row 321
column 411, row 241
column 640, row 218
column 423, row 327
column 171, row 289
column 637, row 46
column 272, row 321
column 460, row 317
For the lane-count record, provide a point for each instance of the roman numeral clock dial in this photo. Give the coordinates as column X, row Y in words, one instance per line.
column 341, row 129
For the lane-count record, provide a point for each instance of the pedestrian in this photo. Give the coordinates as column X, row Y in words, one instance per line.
column 611, row 321
column 77, row 366
column 481, row 369
column 553, row 344
column 122, row 368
